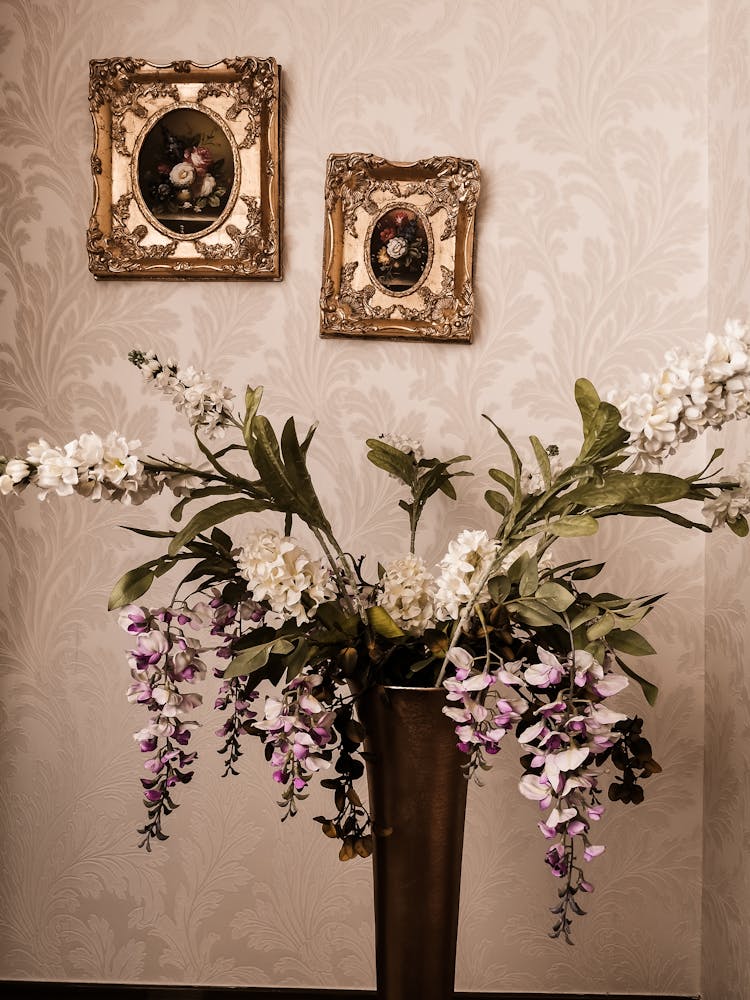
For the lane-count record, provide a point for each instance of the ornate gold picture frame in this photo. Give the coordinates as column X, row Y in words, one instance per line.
column 187, row 169
column 399, row 244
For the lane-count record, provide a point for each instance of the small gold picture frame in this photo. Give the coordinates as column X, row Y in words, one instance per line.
column 399, row 246
column 187, row 169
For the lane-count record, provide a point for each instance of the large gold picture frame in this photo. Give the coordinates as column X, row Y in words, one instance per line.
column 398, row 249
column 187, row 169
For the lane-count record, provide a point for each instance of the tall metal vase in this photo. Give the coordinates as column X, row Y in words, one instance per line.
column 418, row 790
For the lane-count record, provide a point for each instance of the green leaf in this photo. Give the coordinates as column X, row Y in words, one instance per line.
column 382, row 623
column 573, row 526
column 534, row 613
column 497, row 501
column 650, row 691
column 208, row 491
column 252, row 402
column 739, row 526
column 131, row 586
column 587, row 399
column 392, row 460
column 604, row 436
column 147, row 532
column 542, row 459
column 583, row 616
column 210, row 516
column 643, row 510
column 628, row 487
column 601, row 627
column 504, row 479
column 587, row 572
column 499, row 588
column 529, row 579
column 256, row 657
column 555, row 596
column 299, row 476
column 628, row 641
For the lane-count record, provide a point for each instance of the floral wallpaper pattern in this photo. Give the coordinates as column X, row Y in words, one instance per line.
column 726, row 892
column 589, row 121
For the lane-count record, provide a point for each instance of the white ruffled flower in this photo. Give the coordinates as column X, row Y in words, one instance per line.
column 57, row 470
column 281, row 573
column 468, row 558
column 408, row 594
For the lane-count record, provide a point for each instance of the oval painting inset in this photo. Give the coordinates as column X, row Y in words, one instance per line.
column 400, row 250
column 185, row 167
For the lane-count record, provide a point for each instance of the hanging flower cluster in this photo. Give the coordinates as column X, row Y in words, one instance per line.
column 298, row 728
column 694, row 390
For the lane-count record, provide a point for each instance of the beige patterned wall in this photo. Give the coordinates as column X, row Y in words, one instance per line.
column 588, row 118
column 726, row 894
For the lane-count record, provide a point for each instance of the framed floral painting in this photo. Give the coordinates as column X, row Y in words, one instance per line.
column 187, row 169
column 399, row 245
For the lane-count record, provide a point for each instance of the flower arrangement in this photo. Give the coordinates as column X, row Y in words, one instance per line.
column 187, row 176
column 520, row 643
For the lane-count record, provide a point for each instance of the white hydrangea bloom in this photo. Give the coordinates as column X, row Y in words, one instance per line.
column 467, row 559
column 280, row 572
column 408, row 594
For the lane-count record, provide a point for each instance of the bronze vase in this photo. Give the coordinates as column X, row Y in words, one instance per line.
column 417, row 791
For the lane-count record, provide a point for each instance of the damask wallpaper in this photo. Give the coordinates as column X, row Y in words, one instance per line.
column 726, row 896
column 589, row 119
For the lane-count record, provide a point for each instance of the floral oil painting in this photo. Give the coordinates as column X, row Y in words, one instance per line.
column 400, row 247
column 185, row 171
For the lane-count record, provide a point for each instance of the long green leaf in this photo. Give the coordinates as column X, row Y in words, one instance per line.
column 573, row 526
column 542, row 459
column 210, row 516
column 297, row 471
column 131, row 586
column 627, row 487
column 631, row 642
column 650, row 691
column 587, row 399
column 250, row 661
column 382, row 623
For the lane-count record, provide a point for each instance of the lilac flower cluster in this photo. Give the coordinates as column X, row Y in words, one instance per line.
column 484, row 716
column 163, row 657
column 298, row 729
column 568, row 732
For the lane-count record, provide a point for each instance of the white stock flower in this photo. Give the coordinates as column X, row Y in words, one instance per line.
column 281, row 572
column 203, row 399
column 409, row 594
column 693, row 391
column 468, row 558
column 410, row 446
